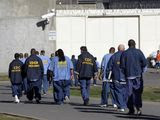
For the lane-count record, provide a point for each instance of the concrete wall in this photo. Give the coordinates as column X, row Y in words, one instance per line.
column 97, row 33
column 150, row 33
column 18, row 31
column 100, row 30
column 76, row 6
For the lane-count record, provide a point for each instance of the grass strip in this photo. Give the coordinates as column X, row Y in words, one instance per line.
column 6, row 116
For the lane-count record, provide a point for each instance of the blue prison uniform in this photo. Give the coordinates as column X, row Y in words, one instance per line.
column 107, row 87
column 118, row 80
column 132, row 64
column 45, row 82
column 62, row 73
column 74, row 61
column 34, row 73
column 16, row 77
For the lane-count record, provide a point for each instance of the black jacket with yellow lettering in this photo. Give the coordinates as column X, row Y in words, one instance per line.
column 15, row 71
column 34, row 68
column 86, row 65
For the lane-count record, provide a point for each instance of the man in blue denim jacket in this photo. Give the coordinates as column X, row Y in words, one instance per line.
column 132, row 64
column 119, row 82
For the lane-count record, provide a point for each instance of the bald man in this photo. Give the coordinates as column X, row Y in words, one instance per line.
column 119, row 83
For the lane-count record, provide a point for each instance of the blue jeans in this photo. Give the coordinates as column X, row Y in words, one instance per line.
column 135, row 90
column 157, row 65
column 85, row 88
column 45, row 84
column 106, row 89
column 25, row 86
column 112, row 91
column 120, row 95
column 75, row 80
column 61, row 89
column 94, row 82
column 33, row 90
column 105, row 93
column 16, row 90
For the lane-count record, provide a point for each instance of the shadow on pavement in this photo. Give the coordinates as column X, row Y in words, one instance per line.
column 97, row 110
column 5, row 101
column 94, row 110
column 41, row 103
column 28, row 102
column 4, row 89
column 81, row 104
column 6, row 86
column 46, row 97
column 90, row 105
column 142, row 117
column 117, row 114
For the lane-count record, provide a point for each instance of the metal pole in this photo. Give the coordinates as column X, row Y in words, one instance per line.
column 85, row 31
column 139, row 32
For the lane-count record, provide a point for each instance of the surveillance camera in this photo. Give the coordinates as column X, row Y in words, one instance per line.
column 47, row 16
column 42, row 23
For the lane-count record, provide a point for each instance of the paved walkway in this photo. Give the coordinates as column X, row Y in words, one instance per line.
column 47, row 110
column 152, row 77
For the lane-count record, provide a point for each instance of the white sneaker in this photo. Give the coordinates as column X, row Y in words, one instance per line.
column 114, row 105
column 103, row 105
column 67, row 100
column 122, row 110
column 16, row 99
column 139, row 112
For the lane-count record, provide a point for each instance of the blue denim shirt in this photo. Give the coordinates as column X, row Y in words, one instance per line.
column 114, row 66
column 74, row 61
column 46, row 61
column 61, row 69
column 104, row 64
column 133, row 63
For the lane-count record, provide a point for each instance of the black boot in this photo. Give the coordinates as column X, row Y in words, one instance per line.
column 86, row 102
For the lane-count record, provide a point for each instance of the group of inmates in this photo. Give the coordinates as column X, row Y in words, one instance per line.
column 121, row 73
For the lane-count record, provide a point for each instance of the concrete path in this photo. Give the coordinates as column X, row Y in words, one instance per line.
column 47, row 110
column 152, row 77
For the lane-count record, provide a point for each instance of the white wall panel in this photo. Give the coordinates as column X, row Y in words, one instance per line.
column 125, row 28
column 103, row 33
column 99, row 36
column 70, row 34
column 150, row 34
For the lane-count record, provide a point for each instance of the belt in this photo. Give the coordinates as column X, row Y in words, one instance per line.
column 107, row 80
column 33, row 80
column 120, row 82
